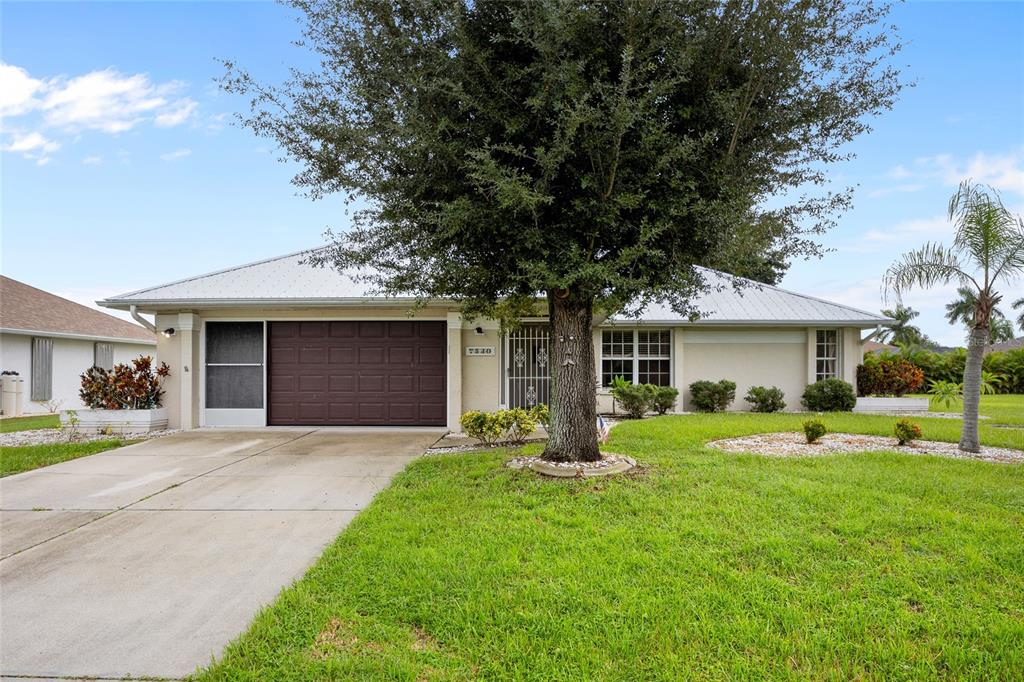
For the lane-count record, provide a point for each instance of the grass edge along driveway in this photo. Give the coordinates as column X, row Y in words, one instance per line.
column 705, row 565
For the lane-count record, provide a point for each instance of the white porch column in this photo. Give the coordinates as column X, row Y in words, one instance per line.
column 454, row 371
column 812, row 348
column 188, row 331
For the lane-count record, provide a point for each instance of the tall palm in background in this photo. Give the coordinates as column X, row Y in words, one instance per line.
column 961, row 311
column 901, row 332
column 1019, row 305
column 988, row 250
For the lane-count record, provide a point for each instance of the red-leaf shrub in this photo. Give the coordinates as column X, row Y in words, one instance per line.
column 126, row 387
column 888, row 375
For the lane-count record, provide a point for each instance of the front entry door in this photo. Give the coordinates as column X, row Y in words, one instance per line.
column 528, row 371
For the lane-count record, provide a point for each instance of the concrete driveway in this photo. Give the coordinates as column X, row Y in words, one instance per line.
column 147, row 560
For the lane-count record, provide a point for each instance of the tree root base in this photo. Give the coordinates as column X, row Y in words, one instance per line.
column 608, row 465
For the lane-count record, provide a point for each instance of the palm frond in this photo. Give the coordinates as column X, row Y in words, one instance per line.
column 926, row 267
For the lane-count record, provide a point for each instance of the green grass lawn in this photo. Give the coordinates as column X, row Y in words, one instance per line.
column 705, row 565
column 1003, row 409
column 35, row 421
column 16, row 459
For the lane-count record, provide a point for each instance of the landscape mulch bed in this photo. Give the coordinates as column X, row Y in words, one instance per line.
column 789, row 444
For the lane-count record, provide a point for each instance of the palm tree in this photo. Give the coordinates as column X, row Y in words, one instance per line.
column 1019, row 305
column 961, row 311
column 988, row 250
column 901, row 332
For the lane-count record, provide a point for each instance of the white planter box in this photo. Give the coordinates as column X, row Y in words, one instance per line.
column 891, row 405
column 118, row 421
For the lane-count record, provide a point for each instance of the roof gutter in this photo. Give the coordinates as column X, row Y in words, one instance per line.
column 141, row 320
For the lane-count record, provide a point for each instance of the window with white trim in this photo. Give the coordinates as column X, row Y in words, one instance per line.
column 643, row 356
column 826, row 355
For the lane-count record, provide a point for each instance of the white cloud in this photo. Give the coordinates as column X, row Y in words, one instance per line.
column 106, row 101
column 174, row 117
column 113, row 103
column 1003, row 171
column 92, row 160
column 894, row 189
column 31, row 142
column 176, row 154
column 17, row 90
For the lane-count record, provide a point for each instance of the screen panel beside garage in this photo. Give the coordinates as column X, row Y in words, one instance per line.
column 368, row 373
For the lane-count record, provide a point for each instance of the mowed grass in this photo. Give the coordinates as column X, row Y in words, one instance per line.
column 19, row 458
column 705, row 565
column 35, row 421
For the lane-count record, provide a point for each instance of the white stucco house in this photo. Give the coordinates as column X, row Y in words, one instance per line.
column 279, row 342
column 48, row 341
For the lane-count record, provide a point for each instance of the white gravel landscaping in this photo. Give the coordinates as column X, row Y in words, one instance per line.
column 50, row 436
column 789, row 444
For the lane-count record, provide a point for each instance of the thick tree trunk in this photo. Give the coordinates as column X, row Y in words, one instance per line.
column 573, row 435
column 972, row 388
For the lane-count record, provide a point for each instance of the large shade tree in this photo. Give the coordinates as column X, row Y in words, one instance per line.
column 987, row 253
column 589, row 153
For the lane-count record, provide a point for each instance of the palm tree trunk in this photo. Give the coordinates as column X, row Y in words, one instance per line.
column 972, row 388
column 573, row 433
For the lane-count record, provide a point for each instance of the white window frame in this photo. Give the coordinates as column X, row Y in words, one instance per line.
column 818, row 357
column 635, row 358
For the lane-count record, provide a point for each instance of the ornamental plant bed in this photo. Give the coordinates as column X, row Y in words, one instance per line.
column 789, row 444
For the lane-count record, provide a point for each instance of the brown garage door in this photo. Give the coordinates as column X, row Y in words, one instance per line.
column 357, row 373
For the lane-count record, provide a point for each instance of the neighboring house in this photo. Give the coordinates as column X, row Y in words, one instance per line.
column 49, row 341
column 1012, row 344
column 878, row 347
column 280, row 342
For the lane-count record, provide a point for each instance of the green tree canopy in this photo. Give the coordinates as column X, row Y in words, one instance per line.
column 592, row 152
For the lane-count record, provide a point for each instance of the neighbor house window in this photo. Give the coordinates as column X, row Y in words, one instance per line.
column 234, row 365
column 639, row 355
column 42, row 369
column 826, row 357
column 103, row 355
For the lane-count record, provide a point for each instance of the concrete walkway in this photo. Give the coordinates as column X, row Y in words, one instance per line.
column 147, row 560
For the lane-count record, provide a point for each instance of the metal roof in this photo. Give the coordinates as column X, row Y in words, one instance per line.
column 734, row 300
column 291, row 280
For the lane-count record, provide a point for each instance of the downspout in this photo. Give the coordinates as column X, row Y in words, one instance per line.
column 141, row 320
column 869, row 337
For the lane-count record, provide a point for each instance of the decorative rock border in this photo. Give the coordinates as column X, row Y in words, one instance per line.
column 609, row 465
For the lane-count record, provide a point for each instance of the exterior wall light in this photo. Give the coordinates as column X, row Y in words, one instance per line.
column 169, row 332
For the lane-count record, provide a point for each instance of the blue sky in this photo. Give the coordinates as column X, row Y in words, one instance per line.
column 121, row 168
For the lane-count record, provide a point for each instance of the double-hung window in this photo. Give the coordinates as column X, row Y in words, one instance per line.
column 642, row 356
column 826, row 355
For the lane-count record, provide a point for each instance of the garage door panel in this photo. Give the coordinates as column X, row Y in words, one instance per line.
column 351, row 373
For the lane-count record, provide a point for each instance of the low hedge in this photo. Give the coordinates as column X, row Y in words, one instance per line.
column 950, row 366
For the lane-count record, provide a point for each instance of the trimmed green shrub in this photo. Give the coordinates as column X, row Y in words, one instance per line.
column 635, row 399
column 907, row 431
column 765, row 399
column 484, row 426
column 541, row 414
column 664, row 399
column 711, row 396
column 888, row 375
column 814, row 429
column 829, row 395
column 517, row 424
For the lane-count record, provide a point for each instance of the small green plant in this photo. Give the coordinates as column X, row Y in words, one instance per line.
column 541, row 414
column 635, row 399
column 765, row 399
column 712, row 396
column 829, row 395
column 990, row 382
column 517, row 423
column 814, row 429
column 71, row 429
column 664, row 399
column 484, row 426
column 946, row 393
column 907, row 431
